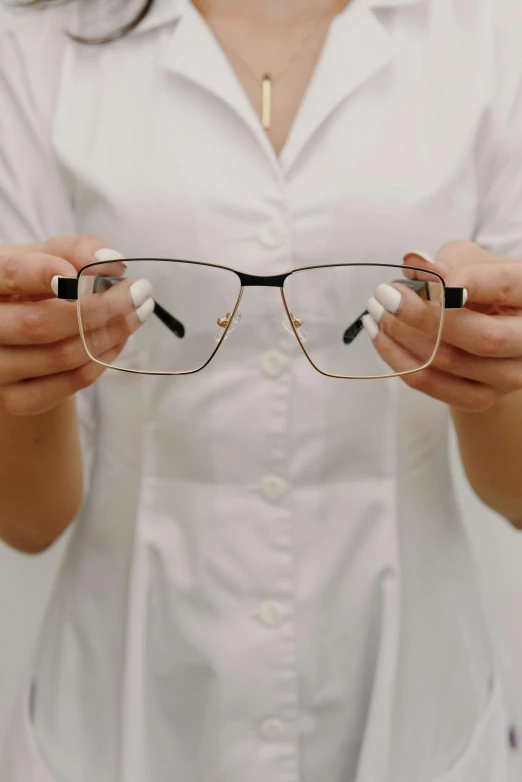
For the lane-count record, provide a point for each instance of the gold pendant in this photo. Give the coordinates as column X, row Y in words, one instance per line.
column 266, row 105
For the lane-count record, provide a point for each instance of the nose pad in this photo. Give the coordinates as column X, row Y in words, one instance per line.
column 223, row 323
column 285, row 323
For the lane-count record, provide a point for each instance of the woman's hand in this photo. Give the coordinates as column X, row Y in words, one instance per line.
column 42, row 359
column 480, row 355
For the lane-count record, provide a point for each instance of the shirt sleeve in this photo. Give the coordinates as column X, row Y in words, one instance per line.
column 499, row 143
column 34, row 203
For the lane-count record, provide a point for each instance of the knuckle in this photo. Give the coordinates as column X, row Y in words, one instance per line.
column 417, row 380
column 492, row 343
column 84, row 245
column 36, row 325
column 505, row 292
column 392, row 327
column 9, row 269
column 63, row 356
column 85, row 375
column 483, row 399
column 458, row 248
column 448, row 359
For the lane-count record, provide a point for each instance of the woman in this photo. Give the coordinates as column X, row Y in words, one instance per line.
column 268, row 578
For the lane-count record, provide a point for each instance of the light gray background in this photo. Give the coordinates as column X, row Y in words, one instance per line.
column 26, row 584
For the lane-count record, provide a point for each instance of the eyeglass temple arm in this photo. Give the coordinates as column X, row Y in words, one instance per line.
column 68, row 289
column 453, row 300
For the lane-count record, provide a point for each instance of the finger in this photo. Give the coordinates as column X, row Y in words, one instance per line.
column 408, row 306
column 34, row 397
column 52, row 320
column 20, row 363
column 493, row 336
column 80, row 249
column 497, row 283
column 503, row 374
column 123, row 298
column 77, row 250
column 456, row 392
column 455, row 255
column 475, row 332
column 30, row 273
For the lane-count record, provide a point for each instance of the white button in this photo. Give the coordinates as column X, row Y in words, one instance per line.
column 273, row 488
column 273, row 363
column 270, row 613
column 272, row 729
column 272, row 234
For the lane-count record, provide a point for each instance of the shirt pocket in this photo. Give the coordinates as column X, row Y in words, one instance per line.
column 22, row 759
column 484, row 758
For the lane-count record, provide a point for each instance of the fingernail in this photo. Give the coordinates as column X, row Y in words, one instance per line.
column 389, row 297
column 465, row 296
column 54, row 283
column 375, row 309
column 106, row 254
column 145, row 310
column 140, row 292
column 424, row 256
column 370, row 325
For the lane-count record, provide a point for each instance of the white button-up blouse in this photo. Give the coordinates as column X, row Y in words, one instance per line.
column 268, row 580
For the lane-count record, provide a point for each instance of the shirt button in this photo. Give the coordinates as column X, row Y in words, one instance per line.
column 273, row 489
column 272, row 729
column 273, row 363
column 270, row 614
column 272, row 234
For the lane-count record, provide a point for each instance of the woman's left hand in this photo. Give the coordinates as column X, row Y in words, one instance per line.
column 479, row 359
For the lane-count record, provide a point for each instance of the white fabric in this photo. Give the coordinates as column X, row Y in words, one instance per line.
column 207, row 627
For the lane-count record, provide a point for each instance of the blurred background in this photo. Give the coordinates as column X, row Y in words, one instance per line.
column 26, row 584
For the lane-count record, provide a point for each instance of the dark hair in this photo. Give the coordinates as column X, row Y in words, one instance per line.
column 120, row 32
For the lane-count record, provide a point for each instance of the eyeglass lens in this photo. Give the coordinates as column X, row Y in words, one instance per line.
column 162, row 316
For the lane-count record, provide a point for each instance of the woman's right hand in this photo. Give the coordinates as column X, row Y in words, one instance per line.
column 42, row 359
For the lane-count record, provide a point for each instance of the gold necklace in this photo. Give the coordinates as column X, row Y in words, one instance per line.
column 268, row 78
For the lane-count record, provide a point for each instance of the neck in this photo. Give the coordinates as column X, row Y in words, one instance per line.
column 280, row 12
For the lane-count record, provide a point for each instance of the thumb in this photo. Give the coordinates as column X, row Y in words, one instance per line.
column 80, row 249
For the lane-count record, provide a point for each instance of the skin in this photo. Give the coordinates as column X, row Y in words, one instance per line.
column 42, row 363
column 478, row 367
column 266, row 35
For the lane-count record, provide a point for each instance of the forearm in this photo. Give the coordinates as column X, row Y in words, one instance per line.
column 491, row 450
column 40, row 476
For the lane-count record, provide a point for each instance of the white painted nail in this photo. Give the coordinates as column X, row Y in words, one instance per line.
column 145, row 310
column 106, row 254
column 140, row 292
column 389, row 297
column 370, row 325
column 54, row 283
column 375, row 309
column 465, row 296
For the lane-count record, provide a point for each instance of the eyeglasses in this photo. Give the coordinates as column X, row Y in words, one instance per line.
column 179, row 313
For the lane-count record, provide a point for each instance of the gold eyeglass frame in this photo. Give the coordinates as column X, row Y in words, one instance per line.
column 68, row 287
